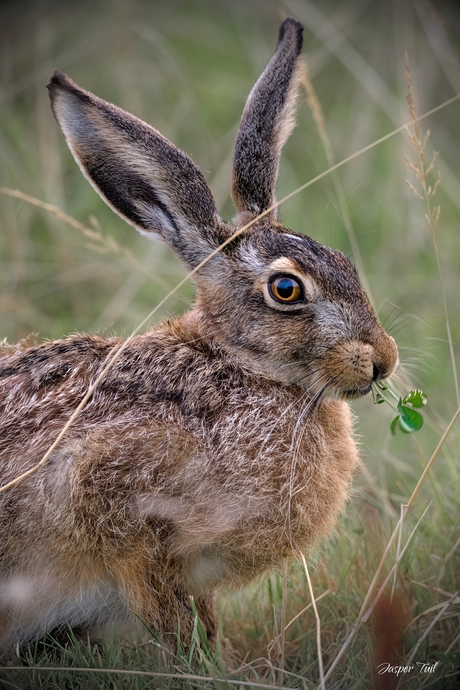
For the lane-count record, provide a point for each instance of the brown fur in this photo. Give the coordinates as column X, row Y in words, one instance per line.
column 219, row 441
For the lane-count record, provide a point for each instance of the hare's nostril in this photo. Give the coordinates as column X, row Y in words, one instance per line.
column 375, row 373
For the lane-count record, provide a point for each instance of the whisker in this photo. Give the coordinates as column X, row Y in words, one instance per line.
column 402, row 317
column 396, row 306
column 310, row 373
column 295, row 444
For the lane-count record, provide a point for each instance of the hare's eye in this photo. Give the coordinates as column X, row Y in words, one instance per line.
column 285, row 289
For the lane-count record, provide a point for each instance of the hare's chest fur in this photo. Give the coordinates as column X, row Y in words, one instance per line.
column 278, row 492
column 243, row 470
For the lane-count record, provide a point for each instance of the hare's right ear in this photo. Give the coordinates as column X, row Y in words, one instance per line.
column 138, row 172
column 267, row 121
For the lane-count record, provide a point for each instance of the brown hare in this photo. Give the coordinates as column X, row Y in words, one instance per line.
column 219, row 442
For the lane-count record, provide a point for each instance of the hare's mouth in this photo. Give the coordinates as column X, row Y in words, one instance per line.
column 357, row 392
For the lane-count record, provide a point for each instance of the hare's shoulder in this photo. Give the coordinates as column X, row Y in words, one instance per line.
column 171, row 367
column 50, row 363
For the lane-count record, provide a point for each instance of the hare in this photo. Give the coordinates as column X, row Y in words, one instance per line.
column 220, row 442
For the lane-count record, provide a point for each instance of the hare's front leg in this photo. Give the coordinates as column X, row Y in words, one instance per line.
column 169, row 610
column 205, row 606
column 162, row 602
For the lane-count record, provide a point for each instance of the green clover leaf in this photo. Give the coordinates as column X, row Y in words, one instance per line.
column 408, row 419
column 415, row 399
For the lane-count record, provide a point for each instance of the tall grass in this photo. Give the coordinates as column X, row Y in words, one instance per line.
column 187, row 67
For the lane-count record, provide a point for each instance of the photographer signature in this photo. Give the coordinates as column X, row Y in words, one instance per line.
column 419, row 665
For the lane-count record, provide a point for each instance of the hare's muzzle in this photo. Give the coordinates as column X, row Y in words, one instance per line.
column 365, row 364
column 351, row 366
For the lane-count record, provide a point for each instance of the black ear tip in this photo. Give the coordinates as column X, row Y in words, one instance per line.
column 57, row 82
column 291, row 29
column 58, row 79
column 62, row 85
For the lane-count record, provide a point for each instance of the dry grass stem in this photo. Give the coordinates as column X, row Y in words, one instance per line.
column 429, row 610
column 306, row 683
column 275, row 640
column 324, row 594
column 105, row 242
column 432, row 459
column 322, row 684
column 398, row 550
column 320, row 123
column 451, row 552
column 421, row 172
column 453, row 644
column 152, row 674
column 446, row 561
column 283, row 620
column 438, row 590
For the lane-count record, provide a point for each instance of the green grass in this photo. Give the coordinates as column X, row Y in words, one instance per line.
column 187, row 68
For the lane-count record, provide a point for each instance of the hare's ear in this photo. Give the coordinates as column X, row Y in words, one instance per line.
column 138, row 172
column 267, row 121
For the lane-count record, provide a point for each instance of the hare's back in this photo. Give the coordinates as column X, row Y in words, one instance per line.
column 164, row 382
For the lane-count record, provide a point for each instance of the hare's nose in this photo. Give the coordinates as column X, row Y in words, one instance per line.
column 376, row 373
column 385, row 358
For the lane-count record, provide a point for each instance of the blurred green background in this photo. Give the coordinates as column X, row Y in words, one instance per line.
column 186, row 67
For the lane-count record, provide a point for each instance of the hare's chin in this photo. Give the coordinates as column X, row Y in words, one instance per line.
column 337, row 392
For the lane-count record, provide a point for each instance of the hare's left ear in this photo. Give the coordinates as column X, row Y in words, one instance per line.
column 138, row 172
column 267, row 121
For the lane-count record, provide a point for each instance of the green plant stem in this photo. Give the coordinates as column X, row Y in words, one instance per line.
column 382, row 392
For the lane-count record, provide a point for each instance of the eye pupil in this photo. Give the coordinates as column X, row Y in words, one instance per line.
column 286, row 289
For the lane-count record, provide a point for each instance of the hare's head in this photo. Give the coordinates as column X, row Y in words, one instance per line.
column 285, row 305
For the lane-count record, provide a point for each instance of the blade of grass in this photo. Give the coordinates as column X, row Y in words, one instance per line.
column 318, row 625
column 283, row 618
column 397, row 550
column 152, row 674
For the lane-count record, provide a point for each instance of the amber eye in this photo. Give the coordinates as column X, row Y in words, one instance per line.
column 286, row 289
